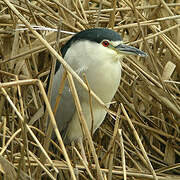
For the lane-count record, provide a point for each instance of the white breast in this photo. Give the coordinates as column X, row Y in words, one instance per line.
column 103, row 72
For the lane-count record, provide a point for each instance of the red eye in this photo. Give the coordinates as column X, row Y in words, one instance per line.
column 105, row 43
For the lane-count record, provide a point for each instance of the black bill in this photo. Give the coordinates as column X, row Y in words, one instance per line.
column 125, row 49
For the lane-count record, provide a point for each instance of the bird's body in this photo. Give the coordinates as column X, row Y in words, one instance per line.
column 91, row 52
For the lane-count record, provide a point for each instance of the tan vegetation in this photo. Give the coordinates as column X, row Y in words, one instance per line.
column 140, row 137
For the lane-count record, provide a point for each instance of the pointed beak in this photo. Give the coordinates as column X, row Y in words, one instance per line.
column 125, row 49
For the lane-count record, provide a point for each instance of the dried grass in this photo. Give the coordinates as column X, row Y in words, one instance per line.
column 140, row 137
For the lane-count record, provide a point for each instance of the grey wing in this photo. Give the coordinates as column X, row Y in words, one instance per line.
column 66, row 106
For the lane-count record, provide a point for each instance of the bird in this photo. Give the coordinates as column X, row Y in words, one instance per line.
column 97, row 53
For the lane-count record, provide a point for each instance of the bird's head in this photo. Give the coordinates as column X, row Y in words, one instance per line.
column 99, row 43
column 121, row 49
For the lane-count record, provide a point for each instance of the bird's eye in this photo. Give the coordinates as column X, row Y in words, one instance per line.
column 105, row 43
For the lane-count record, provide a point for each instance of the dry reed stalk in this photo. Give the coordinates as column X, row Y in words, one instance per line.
column 83, row 123
column 22, row 119
column 128, row 8
column 49, row 109
column 112, row 15
column 61, row 87
column 90, row 104
column 122, row 154
column 99, row 13
column 149, row 89
column 129, row 173
column 84, row 163
column 139, row 142
column 57, row 131
column 111, row 147
column 33, row 50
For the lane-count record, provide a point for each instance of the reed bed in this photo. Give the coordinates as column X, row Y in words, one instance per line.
column 140, row 137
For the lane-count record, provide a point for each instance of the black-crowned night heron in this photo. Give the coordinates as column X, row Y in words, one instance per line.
column 97, row 54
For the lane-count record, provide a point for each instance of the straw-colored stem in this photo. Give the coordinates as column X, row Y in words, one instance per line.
column 83, row 123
